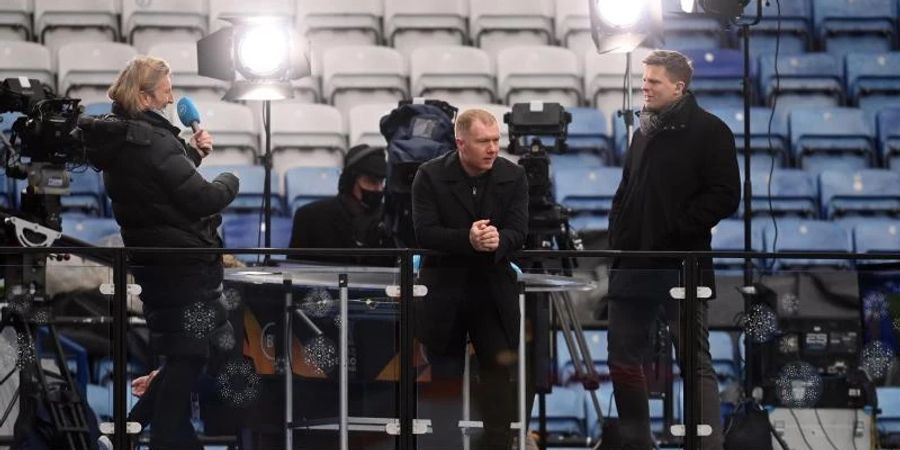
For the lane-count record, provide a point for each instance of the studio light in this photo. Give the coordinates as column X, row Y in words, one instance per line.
column 621, row 26
column 728, row 10
column 258, row 55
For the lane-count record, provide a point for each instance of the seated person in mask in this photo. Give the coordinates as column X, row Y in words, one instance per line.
column 352, row 219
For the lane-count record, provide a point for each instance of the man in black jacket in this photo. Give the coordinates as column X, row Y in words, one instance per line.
column 680, row 178
column 160, row 200
column 352, row 219
column 473, row 207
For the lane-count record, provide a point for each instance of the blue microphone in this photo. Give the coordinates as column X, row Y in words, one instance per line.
column 188, row 114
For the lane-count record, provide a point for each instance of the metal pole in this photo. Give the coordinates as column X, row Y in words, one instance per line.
column 748, row 200
column 345, row 366
column 628, row 114
column 407, row 376
column 120, row 350
column 523, row 419
column 689, row 356
column 467, row 396
column 288, row 369
column 267, row 187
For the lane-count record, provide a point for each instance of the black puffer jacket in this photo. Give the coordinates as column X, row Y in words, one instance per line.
column 160, row 200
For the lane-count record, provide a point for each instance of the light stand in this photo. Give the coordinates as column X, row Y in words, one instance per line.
column 267, row 180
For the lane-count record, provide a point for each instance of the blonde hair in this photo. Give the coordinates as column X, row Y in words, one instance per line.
column 142, row 74
column 465, row 120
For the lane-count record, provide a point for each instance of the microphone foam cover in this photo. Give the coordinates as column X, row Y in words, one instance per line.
column 187, row 111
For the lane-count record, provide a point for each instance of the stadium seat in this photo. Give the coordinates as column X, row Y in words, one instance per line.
column 844, row 26
column 5, row 187
column 800, row 235
column 93, row 230
column 145, row 24
column 585, row 189
column 7, row 120
column 724, row 356
column 358, row 75
column 889, row 137
column 57, row 22
column 717, row 78
column 597, row 345
column 573, row 160
column 589, row 132
column 250, row 197
column 620, row 134
column 98, row 108
column 873, row 80
column 455, row 74
column 223, row 8
column 793, row 193
column 234, row 130
column 831, row 138
column 787, row 22
column 566, row 414
column 306, row 184
column 500, row 24
column 26, row 59
column 409, row 24
column 877, row 236
column 365, row 124
column 690, row 32
column 307, row 135
column 86, row 193
column 573, row 26
column 544, row 73
column 860, row 193
column 87, row 69
column 15, row 20
column 728, row 236
column 762, row 138
column 248, row 231
column 182, row 59
column 337, row 23
column 604, row 84
column 809, row 80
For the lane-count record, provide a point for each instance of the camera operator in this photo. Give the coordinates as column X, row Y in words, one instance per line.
column 351, row 219
column 679, row 179
column 473, row 206
column 160, row 200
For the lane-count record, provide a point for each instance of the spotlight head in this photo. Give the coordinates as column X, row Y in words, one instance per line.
column 622, row 26
column 722, row 9
column 257, row 54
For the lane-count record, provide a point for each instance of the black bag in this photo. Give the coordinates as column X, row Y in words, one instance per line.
column 415, row 133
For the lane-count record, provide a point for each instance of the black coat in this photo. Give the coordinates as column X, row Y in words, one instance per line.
column 443, row 213
column 337, row 222
column 676, row 185
column 160, row 200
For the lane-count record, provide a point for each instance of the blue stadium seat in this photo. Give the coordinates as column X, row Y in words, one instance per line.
column 587, row 189
column 97, row 108
column 876, row 236
column 608, row 405
column 566, row 414
column 889, row 137
column 7, row 120
column 724, row 355
column 873, row 80
column 889, row 403
column 728, row 236
column 5, row 197
column 761, row 138
column 93, row 230
column 814, row 80
column 247, row 231
column 793, row 192
column 587, row 222
column 564, row 162
column 620, row 141
column 589, row 132
column 86, row 193
column 831, row 138
column 250, row 197
column 801, row 235
column 306, row 184
column 844, row 26
column 793, row 32
column 717, row 77
column 864, row 192
column 596, row 341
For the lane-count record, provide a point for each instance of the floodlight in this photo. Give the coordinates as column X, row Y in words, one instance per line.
column 259, row 55
column 622, row 26
column 722, row 9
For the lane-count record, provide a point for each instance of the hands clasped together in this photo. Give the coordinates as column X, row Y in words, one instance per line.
column 483, row 236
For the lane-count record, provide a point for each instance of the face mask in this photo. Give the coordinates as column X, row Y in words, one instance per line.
column 371, row 199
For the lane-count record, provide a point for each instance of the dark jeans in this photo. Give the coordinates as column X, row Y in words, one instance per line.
column 631, row 324
column 166, row 405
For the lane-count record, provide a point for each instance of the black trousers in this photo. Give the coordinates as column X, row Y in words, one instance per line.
column 631, row 323
column 440, row 400
column 166, row 405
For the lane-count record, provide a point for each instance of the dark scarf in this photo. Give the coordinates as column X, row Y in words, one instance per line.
column 652, row 122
